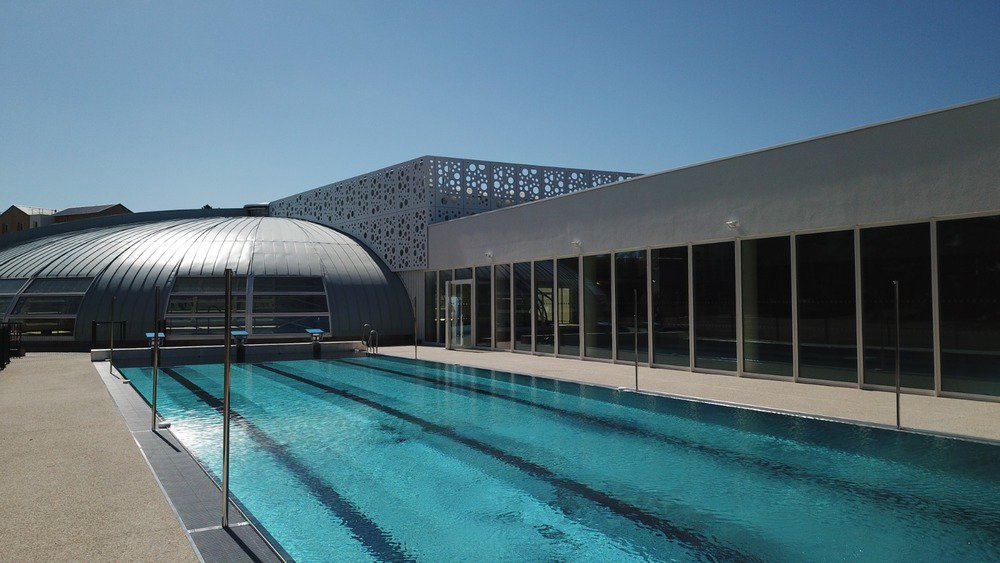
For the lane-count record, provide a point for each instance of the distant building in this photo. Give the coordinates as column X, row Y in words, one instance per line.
column 23, row 217
column 77, row 213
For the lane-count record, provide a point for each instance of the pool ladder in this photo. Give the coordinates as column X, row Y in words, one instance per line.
column 371, row 345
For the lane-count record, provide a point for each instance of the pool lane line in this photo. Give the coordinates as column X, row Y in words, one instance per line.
column 683, row 535
column 365, row 530
column 958, row 515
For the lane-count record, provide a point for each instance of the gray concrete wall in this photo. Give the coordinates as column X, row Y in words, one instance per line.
column 933, row 165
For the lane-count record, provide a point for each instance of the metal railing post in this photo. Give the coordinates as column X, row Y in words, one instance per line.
column 635, row 331
column 414, row 328
column 225, row 398
column 895, row 285
column 111, row 322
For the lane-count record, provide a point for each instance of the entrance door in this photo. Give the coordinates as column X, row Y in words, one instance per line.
column 458, row 314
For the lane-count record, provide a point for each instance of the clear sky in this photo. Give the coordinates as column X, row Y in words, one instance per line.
column 165, row 105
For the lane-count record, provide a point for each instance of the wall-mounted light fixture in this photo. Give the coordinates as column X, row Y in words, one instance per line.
column 733, row 224
column 576, row 242
column 489, row 254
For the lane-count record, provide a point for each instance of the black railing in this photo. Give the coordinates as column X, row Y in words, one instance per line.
column 117, row 326
column 10, row 342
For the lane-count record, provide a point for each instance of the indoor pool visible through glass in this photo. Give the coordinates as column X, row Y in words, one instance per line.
column 380, row 458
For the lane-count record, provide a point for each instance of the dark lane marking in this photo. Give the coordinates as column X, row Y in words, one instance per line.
column 685, row 536
column 959, row 515
column 366, row 531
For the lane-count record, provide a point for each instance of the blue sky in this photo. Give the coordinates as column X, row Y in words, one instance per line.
column 165, row 105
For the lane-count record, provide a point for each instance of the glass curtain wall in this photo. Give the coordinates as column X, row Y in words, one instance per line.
column 669, row 277
column 766, row 279
column 522, row 306
column 630, row 286
column 969, row 294
column 501, row 281
column 484, row 323
column 827, row 316
column 430, row 306
column 544, row 308
column 568, row 299
column 901, row 253
column 597, row 306
column 444, row 276
column 715, row 306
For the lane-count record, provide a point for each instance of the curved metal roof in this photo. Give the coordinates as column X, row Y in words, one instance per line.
column 130, row 260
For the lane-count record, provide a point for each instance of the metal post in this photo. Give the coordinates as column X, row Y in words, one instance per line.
column 225, row 398
column 414, row 328
column 895, row 285
column 156, row 352
column 635, row 332
column 111, row 323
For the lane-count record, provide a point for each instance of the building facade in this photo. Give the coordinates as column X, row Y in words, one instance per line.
column 22, row 217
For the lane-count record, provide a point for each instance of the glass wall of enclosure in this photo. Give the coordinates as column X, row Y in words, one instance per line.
column 902, row 253
column 671, row 324
column 630, row 293
column 47, row 307
column 826, row 303
column 522, row 306
column 766, row 279
column 463, row 273
column 969, row 297
column 484, row 322
column 289, row 305
column 197, row 306
column 501, row 330
column 597, row 306
column 715, row 306
column 444, row 276
column 545, row 331
column 430, row 307
column 568, row 302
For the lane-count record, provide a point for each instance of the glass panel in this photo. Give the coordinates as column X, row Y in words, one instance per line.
column 4, row 302
column 484, row 323
column 461, row 315
column 897, row 253
column 443, row 277
column 969, row 285
column 630, row 281
column 545, row 329
column 208, row 285
column 289, row 304
column 597, row 306
column 767, row 305
column 11, row 286
column 715, row 306
column 67, row 305
column 430, row 307
column 522, row 306
column 568, row 301
column 34, row 326
column 671, row 338
column 200, row 326
column 463, row 274
column 827, row 330
column 203, row 304
column 289, row 325
column 59, row 285
column 287, row 284
column 501, row 281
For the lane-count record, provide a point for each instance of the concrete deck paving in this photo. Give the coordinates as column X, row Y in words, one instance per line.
column 73, row 483
column 974, row 419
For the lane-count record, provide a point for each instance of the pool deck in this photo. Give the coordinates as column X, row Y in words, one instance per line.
column 961, row 417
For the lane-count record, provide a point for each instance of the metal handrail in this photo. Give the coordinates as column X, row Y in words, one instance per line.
column 372, row 344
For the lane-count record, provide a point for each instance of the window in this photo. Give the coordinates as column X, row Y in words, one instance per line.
column 969, row 286
column 671, row 323
column 287, row 284
column 522, row 306
column 10, row 287
column 463, row 274
column 544, row 308
column 501, row 281
column 630, row 285
column 59, row 285
column 568, row 299
column 5, row 301
column 444, row 276
column 767, row 305
column 197, row 306
column 208, row 285
column 827, row 317
column 715, row 306
column 484, row 323
column 897, row 253
column 597, row 306
column 289, row 304
column 430, row 306
column 48, row 306
column 289, row 324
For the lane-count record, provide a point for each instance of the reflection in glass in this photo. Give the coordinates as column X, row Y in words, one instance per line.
column 669, row 277
column 828, row 346
column 901, row 253
column 767, row 305
column 287, row 284
column 461, row 315
column 64, row 285
column 522, row 306
column 597, row 306
column 630, row 284
column 568, row 276
column 430, row 307
column 444, row 276
column 35, row 326
column 463, row 274
column 501, row 281
column 544, row 308
column 289, row 325
column 969, row 286
column 483, row 299
column 715, row 306
column 47, row 305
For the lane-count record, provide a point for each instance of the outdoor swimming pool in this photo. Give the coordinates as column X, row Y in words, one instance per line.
column 380, row 458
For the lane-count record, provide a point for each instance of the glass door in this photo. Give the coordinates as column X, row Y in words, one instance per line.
column 458, row 315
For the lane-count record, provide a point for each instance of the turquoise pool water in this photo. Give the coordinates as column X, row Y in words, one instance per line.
column 379, row 458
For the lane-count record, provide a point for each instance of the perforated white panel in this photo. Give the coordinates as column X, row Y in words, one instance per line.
column 389, row 209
